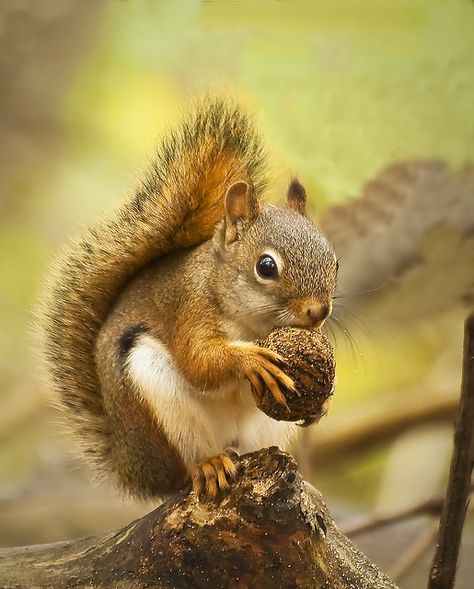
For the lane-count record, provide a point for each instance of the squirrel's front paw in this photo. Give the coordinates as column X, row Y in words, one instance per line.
column 214, row 476
column 262, row 367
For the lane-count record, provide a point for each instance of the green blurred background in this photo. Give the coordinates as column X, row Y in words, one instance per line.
column 340, row 90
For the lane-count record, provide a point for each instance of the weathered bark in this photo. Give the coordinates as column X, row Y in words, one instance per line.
column 273, row 530
column 443, row 570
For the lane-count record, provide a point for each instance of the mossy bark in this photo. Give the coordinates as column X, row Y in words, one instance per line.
column 273, row 530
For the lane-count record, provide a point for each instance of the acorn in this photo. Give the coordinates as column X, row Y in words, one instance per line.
column 309, row 360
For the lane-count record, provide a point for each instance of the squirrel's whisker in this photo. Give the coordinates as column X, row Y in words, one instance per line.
column 339, row 295
column 361, row 321
column 338, row 323
column 181, row 236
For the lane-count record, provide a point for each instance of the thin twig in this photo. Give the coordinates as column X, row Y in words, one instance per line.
column 376, row 423
column 409, row 557
column 443, row 570
column 433, row 506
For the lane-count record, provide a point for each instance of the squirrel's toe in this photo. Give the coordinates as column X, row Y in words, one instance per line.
column 212, row 479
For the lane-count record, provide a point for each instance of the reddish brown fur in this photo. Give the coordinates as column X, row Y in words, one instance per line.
column 154, row 269
column 177, row 205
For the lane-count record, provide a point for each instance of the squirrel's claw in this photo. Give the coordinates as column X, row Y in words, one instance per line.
column 264, row 371
column 213, row 477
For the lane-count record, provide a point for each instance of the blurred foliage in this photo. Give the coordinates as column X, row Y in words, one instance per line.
column 340, row 91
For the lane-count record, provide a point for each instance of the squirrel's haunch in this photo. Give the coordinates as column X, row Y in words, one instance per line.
column 140, row 317
column 310, row 363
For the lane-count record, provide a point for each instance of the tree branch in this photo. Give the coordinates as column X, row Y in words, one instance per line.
column 412, row 554
column 443, row 571
column 379, row 421
column 273, row 530
column 433, row 506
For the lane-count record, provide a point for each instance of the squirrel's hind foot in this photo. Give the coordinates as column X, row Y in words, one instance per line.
column 212, row 478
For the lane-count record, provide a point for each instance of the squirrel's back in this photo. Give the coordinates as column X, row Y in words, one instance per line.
column 177, row 205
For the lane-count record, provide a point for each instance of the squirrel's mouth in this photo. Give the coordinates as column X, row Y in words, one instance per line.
column 309, row 323
column 310, row 313
column 305, row 314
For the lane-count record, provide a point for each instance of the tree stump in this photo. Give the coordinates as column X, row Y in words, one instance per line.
column 272, row 531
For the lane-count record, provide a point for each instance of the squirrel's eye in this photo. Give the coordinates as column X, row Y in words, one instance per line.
column 266, row 267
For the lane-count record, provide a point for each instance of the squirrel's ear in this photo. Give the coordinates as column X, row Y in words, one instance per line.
column 241, row 208
column 296, row 196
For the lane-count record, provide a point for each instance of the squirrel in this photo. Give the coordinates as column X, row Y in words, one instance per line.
column 150, row 318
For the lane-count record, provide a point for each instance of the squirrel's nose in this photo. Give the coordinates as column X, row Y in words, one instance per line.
column 317, row 314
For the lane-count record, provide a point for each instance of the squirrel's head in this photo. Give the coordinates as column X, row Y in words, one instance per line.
column 277, row 268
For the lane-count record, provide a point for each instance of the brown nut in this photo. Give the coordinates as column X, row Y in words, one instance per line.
column 309, row 361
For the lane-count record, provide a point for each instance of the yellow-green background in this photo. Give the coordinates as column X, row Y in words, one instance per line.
column 340, row 89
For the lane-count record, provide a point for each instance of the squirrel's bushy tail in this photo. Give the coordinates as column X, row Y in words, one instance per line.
column 177, row 205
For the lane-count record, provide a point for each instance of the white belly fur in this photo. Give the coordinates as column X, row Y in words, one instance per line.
column 199, row 423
